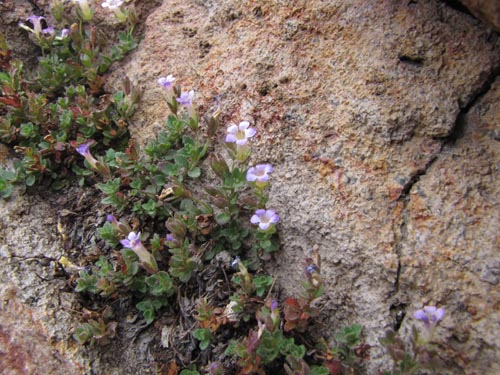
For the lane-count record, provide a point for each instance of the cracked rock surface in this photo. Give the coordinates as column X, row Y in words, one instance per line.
column 382, row 122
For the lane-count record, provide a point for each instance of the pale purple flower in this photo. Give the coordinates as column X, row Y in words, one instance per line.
column 65, row 33
column 429, row 315
column 167, row 82
column 259, row 173
column 186, row 99
column 37, row 23
column 274, row 305
column 240, row 134
column 111, row 219
column 112, row 4
column 84, row 150
column 170, row 237
column 49, row 30
column 133, row 241
column 264, row 218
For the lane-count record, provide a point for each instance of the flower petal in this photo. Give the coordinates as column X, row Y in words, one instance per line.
column 421, row 315
column 439, row 314
column 126, row 243
column 244, row 125
column 264, row 226
column 232, row 129
column 250, row 132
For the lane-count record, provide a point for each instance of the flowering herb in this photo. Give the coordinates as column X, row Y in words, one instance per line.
column 133, row 242
column 259, row 173
column 167, row 82
column 186, row 100
column 36, row 21
column 264, row 218
column 84, row 150
column 429, row 315
column 240, row 134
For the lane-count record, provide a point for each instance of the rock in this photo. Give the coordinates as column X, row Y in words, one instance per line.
column 486, row 10
column 450, row 255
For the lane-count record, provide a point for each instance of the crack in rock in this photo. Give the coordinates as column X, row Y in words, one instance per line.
column 397, row 308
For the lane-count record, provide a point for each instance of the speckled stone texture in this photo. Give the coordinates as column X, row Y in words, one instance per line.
column 381, row 121
column 486, row 10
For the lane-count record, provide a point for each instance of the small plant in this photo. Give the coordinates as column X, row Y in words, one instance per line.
column 61, row 107
column 422, row 353
column 204, row 336
column 299, row 310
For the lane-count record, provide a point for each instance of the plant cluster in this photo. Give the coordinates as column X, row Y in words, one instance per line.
column 46, row 114
column 188, row 215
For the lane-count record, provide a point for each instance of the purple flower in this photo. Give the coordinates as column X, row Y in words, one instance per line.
column 133, row 241
column 111, row 219
column 49, row 30
column 265, row 218
column 37, row 23
column 65, row 33
column 186, row 98
column 259, row 173
column 430, row 315
column 274, row 305
column 84, row 150
column 147, row 260
column 240, row 134
column 167, row 82
column 170, row 237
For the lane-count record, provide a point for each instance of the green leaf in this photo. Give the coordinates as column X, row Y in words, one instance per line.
column 30, row 180
column 319, row 370
column 195, row 172
column 204, row 336
column 189, row 372
column 349, row 336
column 262, row 283
column 222, row 218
